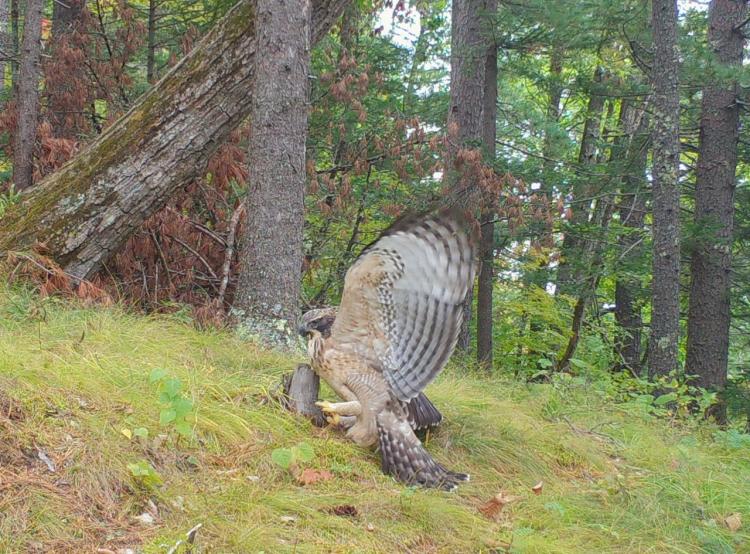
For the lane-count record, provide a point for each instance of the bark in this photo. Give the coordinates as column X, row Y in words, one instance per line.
column 486, row 277
column 665, row 287
column 6, row 44
column 572, row 263
column 85, row 211
column 66, row 17
column 468, row 51
column 632, row 211
column 28, row 96
column 64, row 102
column 151, row 44
column 14, row 38
column 267, row 296
column 710, row 265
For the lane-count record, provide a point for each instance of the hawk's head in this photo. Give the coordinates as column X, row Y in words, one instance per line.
column 320, row 321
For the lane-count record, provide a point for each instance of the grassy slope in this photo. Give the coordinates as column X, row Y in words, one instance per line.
column 72, row 378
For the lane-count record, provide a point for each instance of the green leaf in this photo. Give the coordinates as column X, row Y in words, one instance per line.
column 157, row 375
column 282, row 457
column 665, row 399
column 141, row 432
column 182, row 406
column 305, row 452
column 172, row 386
column 580, row 364
column 545, row 362
column 184, row 429
column 167, row 416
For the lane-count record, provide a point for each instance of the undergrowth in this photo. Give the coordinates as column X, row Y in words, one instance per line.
column 125, row 431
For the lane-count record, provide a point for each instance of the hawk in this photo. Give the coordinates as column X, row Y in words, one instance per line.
column 396, row 327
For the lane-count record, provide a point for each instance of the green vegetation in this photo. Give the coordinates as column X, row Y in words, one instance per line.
column 79, row 395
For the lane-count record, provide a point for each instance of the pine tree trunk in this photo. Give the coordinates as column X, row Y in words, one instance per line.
column 486, row 277
column 61, row 94
column 85, row 211
column 14, row 38
column 28, row 96
column 632, row 211
column 710, row 264
column 267, row 296
column 6, row 44
column 665, row 287
column 468, row 51
column 571, row 272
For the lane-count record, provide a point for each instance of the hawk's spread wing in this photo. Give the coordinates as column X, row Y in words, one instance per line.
column 401, row 307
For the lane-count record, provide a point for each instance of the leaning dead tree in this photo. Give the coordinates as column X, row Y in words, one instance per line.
column 85, row 211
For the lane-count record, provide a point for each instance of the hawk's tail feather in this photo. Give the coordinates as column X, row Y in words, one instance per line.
column 422, row 413
column 404, row 457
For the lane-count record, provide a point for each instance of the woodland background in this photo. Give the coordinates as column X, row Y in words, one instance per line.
column 614, row 233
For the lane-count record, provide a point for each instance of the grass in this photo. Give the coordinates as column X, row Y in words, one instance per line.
column 74, row 383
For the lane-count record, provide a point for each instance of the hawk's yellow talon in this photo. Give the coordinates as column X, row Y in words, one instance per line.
column 329, row 411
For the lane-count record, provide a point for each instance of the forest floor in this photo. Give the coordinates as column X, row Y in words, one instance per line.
column 93, row 402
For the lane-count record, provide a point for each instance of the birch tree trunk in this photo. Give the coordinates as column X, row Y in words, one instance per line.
column 85, row 211
column 271, row 255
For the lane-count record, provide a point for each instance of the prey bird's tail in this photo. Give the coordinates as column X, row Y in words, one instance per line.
column 422, row 413
column 403, row 455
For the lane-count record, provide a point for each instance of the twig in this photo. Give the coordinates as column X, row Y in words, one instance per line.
column 229, row 252
column 189, row 540
column 162, row 257
column 192, row 250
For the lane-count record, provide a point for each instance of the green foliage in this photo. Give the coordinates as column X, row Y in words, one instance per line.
column 7, row 199
column 177, row 410
column 291, row 458
column 144, row 474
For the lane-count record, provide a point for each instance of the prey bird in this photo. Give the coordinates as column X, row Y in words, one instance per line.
column 396, row 327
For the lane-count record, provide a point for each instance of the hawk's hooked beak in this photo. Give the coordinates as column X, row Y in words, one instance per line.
column 303, row 330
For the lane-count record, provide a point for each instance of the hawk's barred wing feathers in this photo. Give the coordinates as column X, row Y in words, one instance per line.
column 402, row 303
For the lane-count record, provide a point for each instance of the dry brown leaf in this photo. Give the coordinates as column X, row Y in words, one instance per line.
column 733, row 522
column 345, row 510
column 538, row 488
column 492, row 508
column 311, row 476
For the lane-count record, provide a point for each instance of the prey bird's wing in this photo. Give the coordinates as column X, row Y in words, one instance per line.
column 401, row 308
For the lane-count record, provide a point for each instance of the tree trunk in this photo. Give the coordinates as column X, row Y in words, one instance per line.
column 14, row 38
column 85, row 211
column 28, row 96
column 267, row 296
column 468, row 51
column 710, row 264
column 632, row 211
column 151, row 44
column 665, row 287
column 486, row 277
column 65, row 103
column 6, row 44
column 572, row 263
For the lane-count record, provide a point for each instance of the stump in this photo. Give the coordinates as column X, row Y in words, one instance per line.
column 301, row 392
